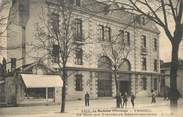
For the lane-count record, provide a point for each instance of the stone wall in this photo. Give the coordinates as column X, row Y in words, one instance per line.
column 10, row 90
column 2, row 93
column 88, row 85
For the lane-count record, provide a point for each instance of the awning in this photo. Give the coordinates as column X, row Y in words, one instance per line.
column 2, row 81
column 41, row 81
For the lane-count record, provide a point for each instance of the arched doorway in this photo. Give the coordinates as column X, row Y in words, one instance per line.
column 104, row 78
column 124, row 78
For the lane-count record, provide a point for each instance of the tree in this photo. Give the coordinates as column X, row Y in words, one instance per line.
column 4, row 5
column 3, row 17
column 57, row 37
column 160, row 12
column 117, row 48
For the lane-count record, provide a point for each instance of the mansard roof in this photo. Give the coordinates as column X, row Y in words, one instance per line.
column 112, row 12
column 117, row 13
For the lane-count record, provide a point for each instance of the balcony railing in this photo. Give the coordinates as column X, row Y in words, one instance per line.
column 144, row 51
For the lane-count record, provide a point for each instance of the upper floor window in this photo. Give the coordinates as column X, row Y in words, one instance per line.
column 101, row 32
column 54, row 22
column 121, row 34
column 104, row 33
column 143, row 39
column 55, row 53
column 155, row 44
column 78, row 29
column 79, row 85
column 155, row 65
column 127, row 37
column 144, row 63
column 107, row 33
column 79, row 56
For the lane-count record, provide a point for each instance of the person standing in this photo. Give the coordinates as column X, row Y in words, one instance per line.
column 119, row 101
column 132, row 100
column 87, row 99
column 165, row 93
column 125, row 99
column 153, row 97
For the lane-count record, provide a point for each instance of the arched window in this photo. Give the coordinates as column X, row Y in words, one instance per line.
column 125, row 66
column 104, row 62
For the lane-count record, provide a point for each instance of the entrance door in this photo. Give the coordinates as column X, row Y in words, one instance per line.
column 124, row 87
column 104, row 88
column 104, row 78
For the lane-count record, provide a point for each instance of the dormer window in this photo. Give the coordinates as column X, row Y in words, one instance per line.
column 78, row 3
column 143, row 21
column 73, row 2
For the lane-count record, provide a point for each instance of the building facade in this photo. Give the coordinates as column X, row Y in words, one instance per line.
column 165, row 70
column 140, row 72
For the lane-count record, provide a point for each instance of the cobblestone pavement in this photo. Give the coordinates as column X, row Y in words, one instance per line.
column 98, row 108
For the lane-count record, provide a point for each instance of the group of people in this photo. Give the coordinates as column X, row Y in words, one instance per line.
column 122, row 100
column 175, row 94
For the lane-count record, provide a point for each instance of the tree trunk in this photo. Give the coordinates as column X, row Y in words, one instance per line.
column 64, row 77
column 173, row 75
column 117, row 87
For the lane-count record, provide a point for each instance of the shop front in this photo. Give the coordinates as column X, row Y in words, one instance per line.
column 39, row 89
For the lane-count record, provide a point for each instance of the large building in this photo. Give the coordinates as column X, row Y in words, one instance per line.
column 140, row 72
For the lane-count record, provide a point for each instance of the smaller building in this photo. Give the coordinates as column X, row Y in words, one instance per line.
column 35, row 84
column 165, row 70
column 38, row 88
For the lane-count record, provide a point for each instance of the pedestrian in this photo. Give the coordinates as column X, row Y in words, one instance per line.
column 177, row 94
column 168, row 93
column 87, row 99
column 153, row 97
column 132, row 99
column 118, row 100
column 165, row 93
column 121, row 99
column 125, row 99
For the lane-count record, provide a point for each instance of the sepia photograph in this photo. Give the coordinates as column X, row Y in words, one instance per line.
column 91, row 58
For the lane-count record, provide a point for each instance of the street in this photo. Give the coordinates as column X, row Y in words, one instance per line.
column 101, row 107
